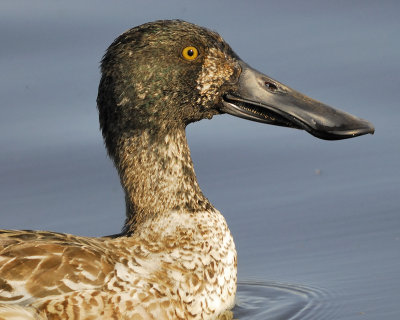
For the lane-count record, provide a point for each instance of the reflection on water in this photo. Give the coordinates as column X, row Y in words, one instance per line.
column 272, row 300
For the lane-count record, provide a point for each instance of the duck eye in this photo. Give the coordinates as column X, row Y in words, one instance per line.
column 190, row 53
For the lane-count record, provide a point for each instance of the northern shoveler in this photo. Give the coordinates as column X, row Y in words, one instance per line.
column 175, row 258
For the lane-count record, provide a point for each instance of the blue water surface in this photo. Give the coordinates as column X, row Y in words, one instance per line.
column 316, row 223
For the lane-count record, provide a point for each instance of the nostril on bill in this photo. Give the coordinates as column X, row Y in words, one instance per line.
column 270, row 86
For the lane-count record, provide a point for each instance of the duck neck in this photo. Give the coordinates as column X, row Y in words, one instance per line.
column 157, row 175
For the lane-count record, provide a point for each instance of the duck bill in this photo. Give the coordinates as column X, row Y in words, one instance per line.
column 258, row 97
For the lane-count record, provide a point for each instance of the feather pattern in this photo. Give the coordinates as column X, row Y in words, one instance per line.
column 188, row 273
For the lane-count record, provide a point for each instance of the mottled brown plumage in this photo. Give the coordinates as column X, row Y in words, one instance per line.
column 170, row 269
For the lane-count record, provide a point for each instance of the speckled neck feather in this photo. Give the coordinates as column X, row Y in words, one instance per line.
column 157, row 175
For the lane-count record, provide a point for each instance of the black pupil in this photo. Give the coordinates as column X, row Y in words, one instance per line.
column 190, row 52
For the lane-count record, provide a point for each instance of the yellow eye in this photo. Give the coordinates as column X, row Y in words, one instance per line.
column 190, row 53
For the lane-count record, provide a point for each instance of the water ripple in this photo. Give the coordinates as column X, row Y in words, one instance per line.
column 274, row 300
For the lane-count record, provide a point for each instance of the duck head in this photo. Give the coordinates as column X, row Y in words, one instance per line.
column 167, row 74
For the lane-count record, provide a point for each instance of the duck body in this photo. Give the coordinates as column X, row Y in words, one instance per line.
column 185, row 268
column 175, row 258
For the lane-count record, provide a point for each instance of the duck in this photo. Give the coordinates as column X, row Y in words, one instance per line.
column 175, row 257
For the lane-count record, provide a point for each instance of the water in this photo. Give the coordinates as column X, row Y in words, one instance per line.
column 257, row 300
column 316, row 223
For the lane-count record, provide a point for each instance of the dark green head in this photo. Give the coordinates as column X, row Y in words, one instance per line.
column 166, row 74
column 162, row 75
